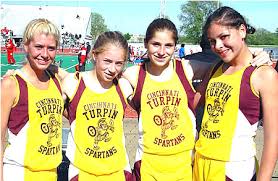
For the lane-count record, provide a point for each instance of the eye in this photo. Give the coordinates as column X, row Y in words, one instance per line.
column 107, row 61
column 38, row 47
column 169, row 45
column 223, row 37
column 212, row 42
column 155, row 44
column 51, row 48
column 120, row 63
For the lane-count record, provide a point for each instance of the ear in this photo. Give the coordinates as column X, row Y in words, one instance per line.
column 145, row 43
column 26, row 48
column 93, row 56
column 242, row 30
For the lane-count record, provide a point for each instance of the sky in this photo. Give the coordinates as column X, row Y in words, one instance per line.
column 134, row 16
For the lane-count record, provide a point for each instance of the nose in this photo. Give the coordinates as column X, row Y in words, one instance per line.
column 218, row 44
column 161, row 50
column 112, row 68
column 44, row 53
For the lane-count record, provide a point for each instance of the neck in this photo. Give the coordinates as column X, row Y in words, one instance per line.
column 244, row 57
column 35, row 74
column 101, row 84
column 158, row 70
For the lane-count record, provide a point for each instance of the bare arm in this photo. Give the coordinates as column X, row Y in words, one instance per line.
column 126, row 89
column 131, row 74
column 8, row 96
column 69, row 85
column 266, row 83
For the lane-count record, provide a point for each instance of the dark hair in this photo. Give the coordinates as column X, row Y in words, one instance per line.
column 161, row 24
column 227, row 16
column 182, row 45
column 110, row 37
column 204, row 43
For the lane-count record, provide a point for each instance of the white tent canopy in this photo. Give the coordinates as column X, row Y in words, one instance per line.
column 74, row 20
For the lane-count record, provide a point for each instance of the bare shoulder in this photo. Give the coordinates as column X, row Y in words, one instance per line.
column 131, row 74
column 8, row 83
column 69, row 84
column 265, row 77
column 8, row 88
column 125, row 87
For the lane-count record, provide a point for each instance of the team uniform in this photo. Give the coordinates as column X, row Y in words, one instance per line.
column 96, row 144
column 226, row 149
column 167, row 127
column 34, row 132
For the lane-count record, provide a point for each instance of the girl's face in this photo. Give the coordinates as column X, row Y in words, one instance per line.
column 41, row 51
column 160, row 48
column 109, row 63
column 225, row 41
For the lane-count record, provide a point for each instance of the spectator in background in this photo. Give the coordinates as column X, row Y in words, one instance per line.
column 10, row 51
column 181, row 51
column 82, row 57
column 5, row 32
column 271, row 54
column 88, row 50
column 206, row 55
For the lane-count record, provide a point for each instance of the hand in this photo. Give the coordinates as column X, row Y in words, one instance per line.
column 261, row 58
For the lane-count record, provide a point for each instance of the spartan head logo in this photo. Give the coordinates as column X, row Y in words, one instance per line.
column 51, row 128
column 166, row 120
column 101, row 132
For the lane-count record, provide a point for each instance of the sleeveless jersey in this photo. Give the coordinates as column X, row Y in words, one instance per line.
column 35, row 126
column 166, row 117
column 96, row 140
column 231, row 116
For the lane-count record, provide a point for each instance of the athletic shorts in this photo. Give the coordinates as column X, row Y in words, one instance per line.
column 19, row 173
column 206, row 169
column 164, row 167
column 76, row 174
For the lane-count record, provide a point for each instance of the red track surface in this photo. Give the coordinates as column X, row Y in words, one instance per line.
column 130, row 112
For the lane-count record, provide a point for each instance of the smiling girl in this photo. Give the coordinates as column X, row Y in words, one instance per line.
column 31, row 109
column 233, row 97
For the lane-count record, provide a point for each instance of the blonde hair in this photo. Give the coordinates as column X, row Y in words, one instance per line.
column 40, row 26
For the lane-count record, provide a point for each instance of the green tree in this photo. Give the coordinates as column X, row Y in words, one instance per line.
column 262, row 37
column 127, row 36
column 193, row 16
column 98, row 25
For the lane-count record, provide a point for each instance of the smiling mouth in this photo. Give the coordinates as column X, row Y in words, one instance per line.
column 110, row 75
column 160, row 59
column 43, row 62
column 223, row 53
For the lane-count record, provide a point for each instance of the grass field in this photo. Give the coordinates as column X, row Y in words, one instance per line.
column 67, row 62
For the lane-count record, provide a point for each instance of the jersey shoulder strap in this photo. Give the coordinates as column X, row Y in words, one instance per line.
column 188, row 88
column 140, row 82
column 120, row 93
